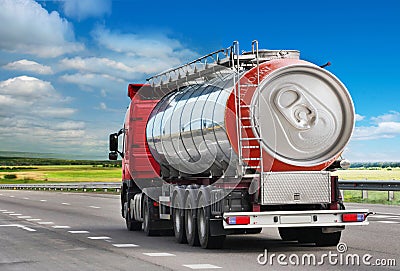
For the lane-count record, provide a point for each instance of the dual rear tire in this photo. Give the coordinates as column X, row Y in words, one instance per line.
column 192, row 223
column 310, row 235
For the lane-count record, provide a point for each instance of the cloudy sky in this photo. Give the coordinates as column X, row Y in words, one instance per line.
column 65, row 65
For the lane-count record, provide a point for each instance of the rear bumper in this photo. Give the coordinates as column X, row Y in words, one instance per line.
column 311, row 218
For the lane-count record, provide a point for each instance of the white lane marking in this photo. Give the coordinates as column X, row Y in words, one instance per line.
column 1, row 194
column 19, row 226
column 65, row 203
column 387, row 214
column 15, row 214
column 26, row 198
column 61, row 227
column 99, row 237
column 12, row 196
column 389, row 222
column 95, row 207
column 78, row 232
column 202, row 266
column 43, row 200
column 125, row 245
column 8, row 212
column 33, row 219
column 45, row 223
column 159, row 254
column 25, row 216
column 3, row 210
column 384, row 216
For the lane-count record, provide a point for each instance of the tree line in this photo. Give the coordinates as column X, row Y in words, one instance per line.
column 23, row 161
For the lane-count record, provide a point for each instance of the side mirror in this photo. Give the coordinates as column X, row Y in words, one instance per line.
column 114, row 143
column 113, row 156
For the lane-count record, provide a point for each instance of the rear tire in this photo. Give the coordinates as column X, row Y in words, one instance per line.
column 147, row 222
column 289, row 234
column 203, row 226
column 253, row 231
column 328, row 239
column 131, row 223
column 307, row 235
column 178, row 220
column 191, row 223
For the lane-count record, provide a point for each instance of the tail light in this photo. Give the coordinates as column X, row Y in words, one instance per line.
column 238, row 220
column 353, row 217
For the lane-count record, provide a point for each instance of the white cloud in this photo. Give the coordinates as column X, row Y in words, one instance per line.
column 29, row 89
column 91, row 81
column 30, row 66
column 389, row 117
column 26, row 27
column 359, row 117
column 149, row 50
column 70, row 125
column 103, row 106
column 104, row 67
column 82, row 9
column 30, row 111
column 94, row 64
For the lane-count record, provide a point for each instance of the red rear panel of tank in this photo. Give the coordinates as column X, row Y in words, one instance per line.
column 138, row 159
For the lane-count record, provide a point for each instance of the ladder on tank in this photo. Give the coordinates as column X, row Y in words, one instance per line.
column 246, row 170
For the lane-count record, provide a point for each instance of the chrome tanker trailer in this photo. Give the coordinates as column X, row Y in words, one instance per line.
column 236, row 142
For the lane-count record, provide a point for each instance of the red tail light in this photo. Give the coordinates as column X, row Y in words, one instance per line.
column 353, row 217
column 238, row 220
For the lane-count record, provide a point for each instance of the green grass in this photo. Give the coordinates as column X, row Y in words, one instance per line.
column 369, row 174
column 90, row 173
column 374, row 197
column 59, row 174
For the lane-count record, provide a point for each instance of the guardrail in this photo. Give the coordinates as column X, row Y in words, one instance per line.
column 106, row 187
column 363, row 185
column 370, row 185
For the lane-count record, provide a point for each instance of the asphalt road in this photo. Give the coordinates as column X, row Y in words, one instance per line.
column 74, row 231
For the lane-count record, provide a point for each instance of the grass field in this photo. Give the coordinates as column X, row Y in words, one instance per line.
column 59, row 174
column 369, row 174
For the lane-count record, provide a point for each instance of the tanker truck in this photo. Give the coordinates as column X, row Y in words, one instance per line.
column 234, row 142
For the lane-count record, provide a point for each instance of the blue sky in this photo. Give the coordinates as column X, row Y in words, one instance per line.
column 65, row 65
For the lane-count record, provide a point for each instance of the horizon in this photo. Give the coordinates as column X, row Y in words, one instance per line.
column 64, row 91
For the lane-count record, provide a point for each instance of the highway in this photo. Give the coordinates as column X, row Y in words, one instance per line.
column 77, row 231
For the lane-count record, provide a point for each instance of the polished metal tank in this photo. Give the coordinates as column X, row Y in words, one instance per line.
column 302, row 114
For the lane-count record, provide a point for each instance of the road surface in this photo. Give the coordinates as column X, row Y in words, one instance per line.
column 76, row 231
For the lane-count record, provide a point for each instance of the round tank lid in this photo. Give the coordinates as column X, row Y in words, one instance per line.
column 303, row 114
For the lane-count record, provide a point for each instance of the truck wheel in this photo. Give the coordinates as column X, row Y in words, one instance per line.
column 307, row 235
column 178, row 219
column 190, row 222
column 147, row 223
column 253, row 231
column 327, row 239
column 289, row 234
column 203, row 220
column 131, row 223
